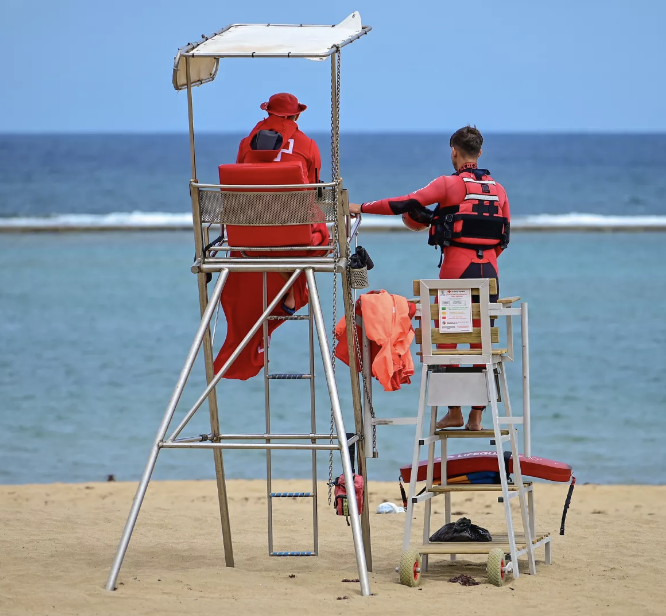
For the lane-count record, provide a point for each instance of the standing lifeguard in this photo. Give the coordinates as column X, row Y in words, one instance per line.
column 470, row 224
column 278, row 138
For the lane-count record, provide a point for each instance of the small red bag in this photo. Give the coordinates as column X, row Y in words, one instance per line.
column 340, row 503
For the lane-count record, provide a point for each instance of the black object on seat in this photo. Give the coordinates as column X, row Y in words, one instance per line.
column 266, row 140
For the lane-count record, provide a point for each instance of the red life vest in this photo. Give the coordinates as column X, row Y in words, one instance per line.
column 478, row 223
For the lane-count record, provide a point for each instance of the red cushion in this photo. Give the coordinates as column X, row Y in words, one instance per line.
column 272, row 173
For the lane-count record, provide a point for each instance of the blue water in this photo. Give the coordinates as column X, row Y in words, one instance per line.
column 554, row 174
column 94, row 327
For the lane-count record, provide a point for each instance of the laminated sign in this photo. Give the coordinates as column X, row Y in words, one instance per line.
column 455, row 310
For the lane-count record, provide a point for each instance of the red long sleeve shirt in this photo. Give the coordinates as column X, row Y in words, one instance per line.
column 297, row 146
column 446, row 190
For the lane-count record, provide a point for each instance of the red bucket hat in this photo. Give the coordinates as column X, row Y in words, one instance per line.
column 284, row 105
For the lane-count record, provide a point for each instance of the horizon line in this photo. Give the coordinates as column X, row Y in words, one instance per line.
column 564, row 133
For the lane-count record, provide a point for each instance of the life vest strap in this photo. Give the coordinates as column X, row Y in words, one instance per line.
column 478, row 248
column 472, row 196
column 491, row 182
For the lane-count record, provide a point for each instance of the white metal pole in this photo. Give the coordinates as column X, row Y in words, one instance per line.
column 340, row 427
column 367, row 392
column 524, row 334
column 239, row 349
column 411, row 493
column 164, row 426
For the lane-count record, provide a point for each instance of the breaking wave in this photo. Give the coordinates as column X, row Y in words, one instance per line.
column 126, row 221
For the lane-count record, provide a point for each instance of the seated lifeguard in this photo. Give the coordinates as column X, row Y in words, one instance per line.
column 277, row 138
column 257, row 165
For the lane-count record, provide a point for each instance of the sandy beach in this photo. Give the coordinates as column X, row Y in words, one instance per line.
column 58, row 540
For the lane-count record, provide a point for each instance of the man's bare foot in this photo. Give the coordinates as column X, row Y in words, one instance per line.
column 474, row 421
column 453, row 419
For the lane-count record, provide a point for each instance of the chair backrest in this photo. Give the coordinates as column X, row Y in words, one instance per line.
column 281, row 226
column 428, row 335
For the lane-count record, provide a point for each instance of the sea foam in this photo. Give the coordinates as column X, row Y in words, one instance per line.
column 125, row 221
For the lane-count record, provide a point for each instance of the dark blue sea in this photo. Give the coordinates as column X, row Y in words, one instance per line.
column 94, row 326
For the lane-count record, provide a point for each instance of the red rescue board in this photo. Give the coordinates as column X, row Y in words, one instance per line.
column 486, row 461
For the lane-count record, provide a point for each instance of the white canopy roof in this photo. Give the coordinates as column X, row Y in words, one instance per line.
column 263, row 41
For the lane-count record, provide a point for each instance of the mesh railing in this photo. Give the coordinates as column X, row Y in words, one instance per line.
column 267, row 208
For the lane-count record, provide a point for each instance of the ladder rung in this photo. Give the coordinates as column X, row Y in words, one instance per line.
column 510, row 420
column 275, row 436
column 288, row 377
column 422, row 497
column 293, row 554
column 292, row 494
column 293, row 317
column 471, row 487
column 394, row 421
column 462, row 433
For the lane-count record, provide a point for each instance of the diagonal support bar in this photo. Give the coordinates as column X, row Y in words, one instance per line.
column 164, row 426
column 234, row 355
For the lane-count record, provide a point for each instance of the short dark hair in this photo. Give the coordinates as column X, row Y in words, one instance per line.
column 468, row 139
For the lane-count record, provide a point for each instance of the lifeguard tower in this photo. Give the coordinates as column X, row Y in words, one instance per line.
column 285, row 206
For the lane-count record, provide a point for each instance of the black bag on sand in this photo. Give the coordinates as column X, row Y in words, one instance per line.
column 462, row 530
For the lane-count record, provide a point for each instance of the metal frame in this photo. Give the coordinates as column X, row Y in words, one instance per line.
column 495, row 310
column 504, row 430
column 216, row 440
column 495, row 376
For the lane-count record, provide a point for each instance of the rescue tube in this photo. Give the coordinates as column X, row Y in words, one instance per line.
column 486, row 461
column 411, row 224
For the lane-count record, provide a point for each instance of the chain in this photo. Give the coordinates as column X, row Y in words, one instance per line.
column 334, row 344
column 335, row 173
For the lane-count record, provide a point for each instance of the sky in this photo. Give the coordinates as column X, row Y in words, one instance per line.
column 427, row 66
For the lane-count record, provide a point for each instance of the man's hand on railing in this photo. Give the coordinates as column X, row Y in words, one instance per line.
column 355, row 208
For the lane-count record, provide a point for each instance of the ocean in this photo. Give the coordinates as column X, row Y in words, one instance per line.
column 95, row 326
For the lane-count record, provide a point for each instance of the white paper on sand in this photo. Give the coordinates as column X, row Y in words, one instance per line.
column 455, row 310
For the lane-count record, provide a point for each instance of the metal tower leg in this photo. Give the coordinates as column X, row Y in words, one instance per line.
column 411, row 493
column 161, row 432
column 427, row 510
column 313, row 427
column 340, row 428
column 499, row 445
column 215, row 427
column 361, row 461
column 267, row 414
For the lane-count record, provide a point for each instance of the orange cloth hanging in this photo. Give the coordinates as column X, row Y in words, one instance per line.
column 388, row 325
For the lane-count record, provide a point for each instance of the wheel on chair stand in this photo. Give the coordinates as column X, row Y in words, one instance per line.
column 410, row 568
column 496, row 567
